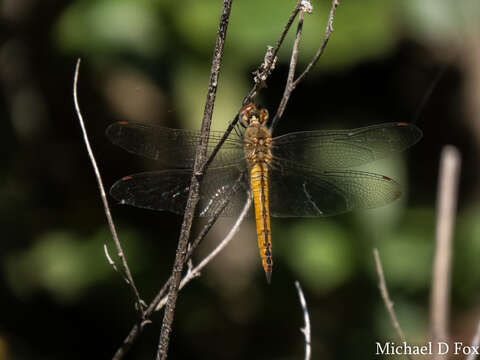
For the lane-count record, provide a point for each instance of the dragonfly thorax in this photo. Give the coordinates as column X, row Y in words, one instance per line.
column 258, row 142
column 258, row 139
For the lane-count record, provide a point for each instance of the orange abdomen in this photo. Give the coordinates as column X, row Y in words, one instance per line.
column 259, row 184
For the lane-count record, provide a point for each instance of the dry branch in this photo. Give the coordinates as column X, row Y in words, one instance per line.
column 323, row 45
column 382, row 285
column 306, row 318
column 291, row 83
column 446, row 212
column 195, row 271
column 127, row 275
column 265, row 69
column 193, row 195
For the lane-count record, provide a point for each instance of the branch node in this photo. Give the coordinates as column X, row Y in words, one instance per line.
column 261, row 75
column 126, row 274
column 145, row 323
column 306, row 6
column 109, row 259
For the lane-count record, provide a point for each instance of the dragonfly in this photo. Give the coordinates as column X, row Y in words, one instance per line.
column 299, row 174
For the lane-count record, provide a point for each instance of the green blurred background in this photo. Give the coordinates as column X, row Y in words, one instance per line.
column 149, row 61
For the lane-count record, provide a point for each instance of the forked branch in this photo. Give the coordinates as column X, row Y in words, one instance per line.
column 260, row 77
column 291, row 83
column 127, row 275
column 193, row 194
column 195, row 271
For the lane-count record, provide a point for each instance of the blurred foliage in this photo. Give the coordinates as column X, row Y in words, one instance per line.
column 407, row 255
column 411, row 316
column 320, row 253
column 466, row 254
column 99, row 30
column 66, row 265
column 442, row 21
column 104, row 28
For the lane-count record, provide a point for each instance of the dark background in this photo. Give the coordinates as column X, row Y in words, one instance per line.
column 149, row 61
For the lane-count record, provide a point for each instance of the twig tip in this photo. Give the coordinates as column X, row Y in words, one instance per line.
column 306, row 6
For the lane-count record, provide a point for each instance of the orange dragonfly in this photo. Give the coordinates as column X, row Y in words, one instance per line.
column 301, row 174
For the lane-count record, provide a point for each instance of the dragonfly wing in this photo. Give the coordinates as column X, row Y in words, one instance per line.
column 168, row 191
column 341, row 149
column 306, row 193
column 173, row 148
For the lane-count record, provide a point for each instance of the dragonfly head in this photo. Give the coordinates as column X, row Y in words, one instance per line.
column 251, row 114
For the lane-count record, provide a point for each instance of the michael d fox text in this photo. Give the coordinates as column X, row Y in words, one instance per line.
column 430, row 348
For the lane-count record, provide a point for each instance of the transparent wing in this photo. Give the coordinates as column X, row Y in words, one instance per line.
column 297, row 192
column 173, row 148
column 341, row 149
column 168, row 191
column 304, row 180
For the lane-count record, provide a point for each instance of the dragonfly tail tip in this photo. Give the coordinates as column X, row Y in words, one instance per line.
column 269, row 276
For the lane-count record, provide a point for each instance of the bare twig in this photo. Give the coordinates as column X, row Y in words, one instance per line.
column 265, row 69
column 446, row 212
column 291, row 72
column 306, row 318
column 291, row 83
column 260, row 77
column 224, row 202
column 126, row 270
column 195, row 271
column 153, row 306
column 136, row 329
column 195, row 185
column 382, row 285
column 326, row 36
column 109, row 258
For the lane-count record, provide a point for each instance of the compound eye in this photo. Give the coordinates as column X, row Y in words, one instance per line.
column 244, row 114
column 263, row 116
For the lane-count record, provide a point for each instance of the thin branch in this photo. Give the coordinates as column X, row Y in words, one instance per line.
column 291, row 72
column 153, row 306
column 160, row 297
column 109, row 259
column 137, row 329
column 326, row 36
column 194, row 188
column 127, row 275
column 291, row 83
column 222, row 205
column 446, row 212
column 306, row 318
column 264, row 70
column 195, row 272
column 260, row 77
column 382, row 285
